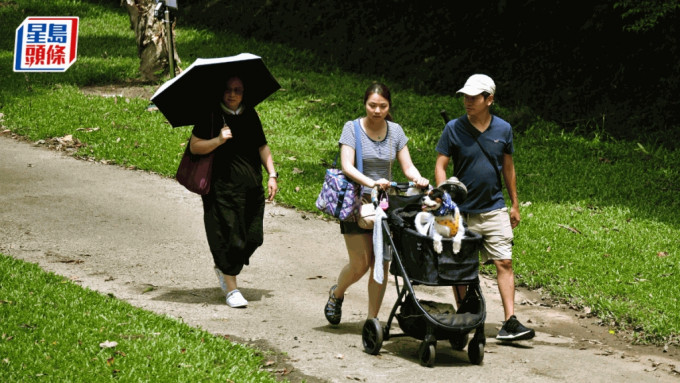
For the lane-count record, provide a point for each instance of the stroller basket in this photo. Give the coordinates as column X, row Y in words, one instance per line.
column 425, row 266
column 412, row 320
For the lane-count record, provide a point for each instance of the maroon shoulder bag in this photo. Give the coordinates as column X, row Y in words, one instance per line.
column 195, row 171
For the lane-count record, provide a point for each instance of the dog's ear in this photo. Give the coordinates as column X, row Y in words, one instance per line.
column 436, row 194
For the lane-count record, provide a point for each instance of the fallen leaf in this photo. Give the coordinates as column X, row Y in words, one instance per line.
column 339, row 356
column 662, row 254
column 292, row 158
column 573, row 230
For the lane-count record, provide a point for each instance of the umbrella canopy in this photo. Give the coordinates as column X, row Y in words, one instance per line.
column 186, row 98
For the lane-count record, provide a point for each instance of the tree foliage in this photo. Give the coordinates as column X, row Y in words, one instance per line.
column 605, row 66
column 643, row 15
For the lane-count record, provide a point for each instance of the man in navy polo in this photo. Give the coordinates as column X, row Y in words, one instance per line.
column 480, row 145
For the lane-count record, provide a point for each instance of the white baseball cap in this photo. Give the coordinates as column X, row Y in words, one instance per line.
column 478, row 84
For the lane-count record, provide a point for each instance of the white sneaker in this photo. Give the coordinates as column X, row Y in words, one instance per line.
column 235, row 299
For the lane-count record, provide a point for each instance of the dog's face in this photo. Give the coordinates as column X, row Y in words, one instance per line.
column 432, row 201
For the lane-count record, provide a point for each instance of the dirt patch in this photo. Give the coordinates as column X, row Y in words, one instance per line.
column 126, row 90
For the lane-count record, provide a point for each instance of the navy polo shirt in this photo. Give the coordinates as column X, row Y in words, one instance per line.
column 471, row 166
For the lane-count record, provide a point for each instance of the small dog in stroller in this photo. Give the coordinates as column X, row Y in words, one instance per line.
column 440, row 216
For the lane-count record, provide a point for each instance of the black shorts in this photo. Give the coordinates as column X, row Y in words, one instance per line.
column 353, row 228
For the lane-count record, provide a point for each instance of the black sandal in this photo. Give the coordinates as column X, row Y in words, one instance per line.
column 333, row 309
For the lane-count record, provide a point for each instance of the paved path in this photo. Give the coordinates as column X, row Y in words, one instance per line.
column 130, row 230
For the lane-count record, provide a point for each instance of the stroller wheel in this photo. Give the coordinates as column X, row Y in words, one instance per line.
column 476, row 351
column 459, row 341
column 372, row 336
column 427, row 353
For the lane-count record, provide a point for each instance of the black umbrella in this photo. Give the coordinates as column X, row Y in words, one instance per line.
column 185, row 99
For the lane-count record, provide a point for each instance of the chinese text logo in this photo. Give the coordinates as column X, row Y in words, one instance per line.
column 46, row 44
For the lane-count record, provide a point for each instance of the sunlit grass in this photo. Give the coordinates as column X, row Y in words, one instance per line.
column 55, row 330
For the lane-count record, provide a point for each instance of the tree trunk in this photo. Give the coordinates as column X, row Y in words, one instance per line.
column 151, row 38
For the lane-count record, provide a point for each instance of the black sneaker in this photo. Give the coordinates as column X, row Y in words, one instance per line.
column 513, row 330
column 333, row 309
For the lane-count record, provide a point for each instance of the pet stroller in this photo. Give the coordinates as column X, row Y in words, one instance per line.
column 416, row 262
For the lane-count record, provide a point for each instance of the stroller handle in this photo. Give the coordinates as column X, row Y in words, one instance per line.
column 375, row 193
column 402, row 186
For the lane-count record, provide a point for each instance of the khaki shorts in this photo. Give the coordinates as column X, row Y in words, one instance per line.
column 496, row 231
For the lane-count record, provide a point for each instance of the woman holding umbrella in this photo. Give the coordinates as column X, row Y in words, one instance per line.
column 233, row 211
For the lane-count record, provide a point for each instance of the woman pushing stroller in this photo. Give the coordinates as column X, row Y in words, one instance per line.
column 382, row 140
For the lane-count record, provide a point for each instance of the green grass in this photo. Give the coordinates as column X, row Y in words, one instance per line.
column 599, row 230
column 54, row 330
column 620, row 199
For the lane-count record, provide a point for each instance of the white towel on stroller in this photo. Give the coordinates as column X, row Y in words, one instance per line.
column 378, row 246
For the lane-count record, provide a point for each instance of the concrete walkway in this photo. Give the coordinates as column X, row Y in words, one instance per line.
column 120, row 232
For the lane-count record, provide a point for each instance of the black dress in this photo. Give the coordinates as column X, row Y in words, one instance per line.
column 233, row 211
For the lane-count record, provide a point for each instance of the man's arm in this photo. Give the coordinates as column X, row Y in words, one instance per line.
column 511, row 184
column 440, row 169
